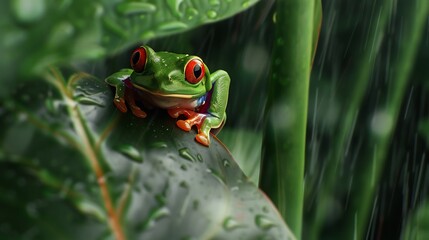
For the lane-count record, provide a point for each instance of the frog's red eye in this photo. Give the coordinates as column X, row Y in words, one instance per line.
column 138, row 59
column 194, row 71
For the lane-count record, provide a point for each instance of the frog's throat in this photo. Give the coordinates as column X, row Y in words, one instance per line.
column 172, row 95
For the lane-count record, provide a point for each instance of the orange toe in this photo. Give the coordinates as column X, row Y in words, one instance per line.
column 138, row 112
column 120, row 104
column 203, row 139
column 174, row 113
column 184, row 125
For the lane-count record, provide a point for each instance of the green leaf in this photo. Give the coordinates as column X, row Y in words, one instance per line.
column 83, row 170
column 37, row 34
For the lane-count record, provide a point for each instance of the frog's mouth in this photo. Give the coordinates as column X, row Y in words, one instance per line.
column 166, row 95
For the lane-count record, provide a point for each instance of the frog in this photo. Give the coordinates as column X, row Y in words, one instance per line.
column 179, row 83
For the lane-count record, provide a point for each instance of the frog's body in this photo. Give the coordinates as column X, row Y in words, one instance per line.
column 180, row 83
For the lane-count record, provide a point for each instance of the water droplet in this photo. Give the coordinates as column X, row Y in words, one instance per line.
column 91, row 209
column 172, row 26
column 214, row 2
column 195, row 204
column 263, row 222
column 88, row 101
column 245, row 4
column 226, row 163
column 265, row 209
column 275, row 17
column 216, row 175
column 159, row 145
column 155, row 215
column 29, row 10
column 184, row 184
column 130, row 152
column 230, row 224
column 129, row 8
column 191, row 13
column 175, row 6
column 186, row 154
column 199, row 157
column 211, row 14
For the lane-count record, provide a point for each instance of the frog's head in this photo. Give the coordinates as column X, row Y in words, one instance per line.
column 169, row 74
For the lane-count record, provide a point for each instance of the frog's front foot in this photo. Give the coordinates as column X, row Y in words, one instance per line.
column 193, row 118
column 121, row 103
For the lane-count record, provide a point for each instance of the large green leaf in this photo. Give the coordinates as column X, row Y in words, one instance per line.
column 40, row 33
column 73, row 167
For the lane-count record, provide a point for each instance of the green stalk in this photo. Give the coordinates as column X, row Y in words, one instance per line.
column 283, row 155
column 375, row 151
column 359, row 80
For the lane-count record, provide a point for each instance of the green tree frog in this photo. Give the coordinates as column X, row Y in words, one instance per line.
column 180, row 83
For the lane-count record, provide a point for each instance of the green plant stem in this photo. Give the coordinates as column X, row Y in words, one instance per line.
column 375, row 151
column 359, row 80
column 87, row 149
column 283, row 155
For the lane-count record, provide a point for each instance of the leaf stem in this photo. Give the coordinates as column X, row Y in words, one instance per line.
column 283, row 154
column 86, row 147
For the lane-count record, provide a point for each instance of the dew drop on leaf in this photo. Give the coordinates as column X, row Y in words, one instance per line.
column 212, row 14
column 199, row 157
column 155, row 215
column 129, row 8
column 263, row 222
column 230, row 224
column 159, row 145
column 186, row 154
column 131, row 152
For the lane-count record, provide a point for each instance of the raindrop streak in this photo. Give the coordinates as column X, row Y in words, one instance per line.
column 129, row 8
column 230, row 224
column 185, row 153
column 263, row 222
column 131, row 152
column 155, row 215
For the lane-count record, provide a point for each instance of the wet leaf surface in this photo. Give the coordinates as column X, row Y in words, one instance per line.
column 75, row 169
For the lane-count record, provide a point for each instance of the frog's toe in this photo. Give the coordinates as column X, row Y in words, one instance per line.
column 120, row 104
column 138, row 112
column 184, row 125
column 203, row 139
